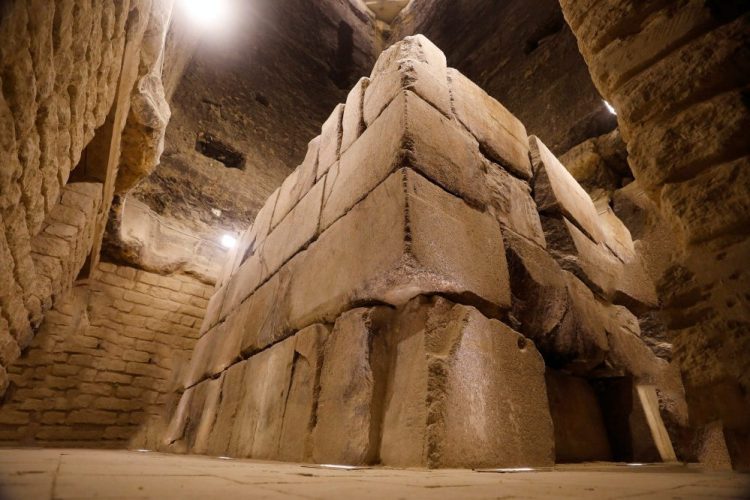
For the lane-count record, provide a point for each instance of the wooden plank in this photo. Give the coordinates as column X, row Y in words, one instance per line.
column 650, row 404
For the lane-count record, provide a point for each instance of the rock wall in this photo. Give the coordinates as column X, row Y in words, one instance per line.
column 522, row 53
column 102, row 368
column 60, row 67
column 255, row 92
column 401, row 295
column 677, row 74
column 60, row 75
column 55, row 256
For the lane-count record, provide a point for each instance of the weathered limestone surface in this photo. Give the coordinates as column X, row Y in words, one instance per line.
column 676, row 74
column 451, row 364
column 61, row 70
column 408, row 247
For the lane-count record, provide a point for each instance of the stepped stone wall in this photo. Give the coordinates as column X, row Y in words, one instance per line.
column 105, row 361
column 401, row 296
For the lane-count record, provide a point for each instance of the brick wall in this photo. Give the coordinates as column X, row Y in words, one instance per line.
column 102, row 365
column 41, row 268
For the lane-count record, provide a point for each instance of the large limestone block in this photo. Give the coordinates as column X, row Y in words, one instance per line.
column 408, row 133
column 540, row 298
column 265, row 317
column 623, row 282
column 428, row 241
column 213, row 309
column 293, row 233
column 556, row 191
column 501, row 135
column 412, row 64
column 466, row 391
column 241, row 285
column 299, row 182
column 351, row 387
column 628, row 353
column 330, row 141
column 300, row 412
column 591, row 262
column 580, row 433
column 276, row 382
column 232, row 391
column 208, row 413
column 580, row 343
column 509, row 199
column 256, row 426
column 353, row 121
column 617, row 236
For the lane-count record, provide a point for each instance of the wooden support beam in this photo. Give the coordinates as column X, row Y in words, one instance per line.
column 650, row 404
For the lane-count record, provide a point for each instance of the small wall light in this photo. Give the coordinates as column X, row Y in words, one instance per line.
column 610, row 108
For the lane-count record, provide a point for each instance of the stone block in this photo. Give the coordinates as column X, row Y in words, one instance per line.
column 451, row 362
column 296, row 186
column 539, row 295
column 408, row 133
column 428, row 241
column 351, row 386
column 276, row 382
column 501, row 135
column 592, row 263
column 511, row 202
column 628, row 354
column 292, row 234
column 412, row 64
column 330, row 141
column 580, row 343
column 233, row 387
column 241, row 285
column 300, row 413
column 580, row 434
column 622, row 282
column 265, row 317
column 616, row 234
column 557, row 192
column 353, row 121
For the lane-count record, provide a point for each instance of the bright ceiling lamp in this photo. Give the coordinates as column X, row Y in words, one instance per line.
column 228, row 241
column 208, row 14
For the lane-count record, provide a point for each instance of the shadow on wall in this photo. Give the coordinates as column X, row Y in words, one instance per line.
column 101, row 368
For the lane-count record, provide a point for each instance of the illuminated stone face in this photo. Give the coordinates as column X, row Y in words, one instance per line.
column 386, row 10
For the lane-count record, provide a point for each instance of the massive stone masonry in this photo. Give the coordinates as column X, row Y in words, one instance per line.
column 402, row 296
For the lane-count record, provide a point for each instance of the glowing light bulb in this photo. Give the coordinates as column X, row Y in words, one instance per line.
column 228, row 241
column 207, row 13
column 610, row 108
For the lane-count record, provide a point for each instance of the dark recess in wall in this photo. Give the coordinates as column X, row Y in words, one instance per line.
column 213, row 148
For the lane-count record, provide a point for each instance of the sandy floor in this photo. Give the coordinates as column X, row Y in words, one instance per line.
column 64, row 474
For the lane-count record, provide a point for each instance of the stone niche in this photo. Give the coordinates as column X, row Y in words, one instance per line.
column 429, row 288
